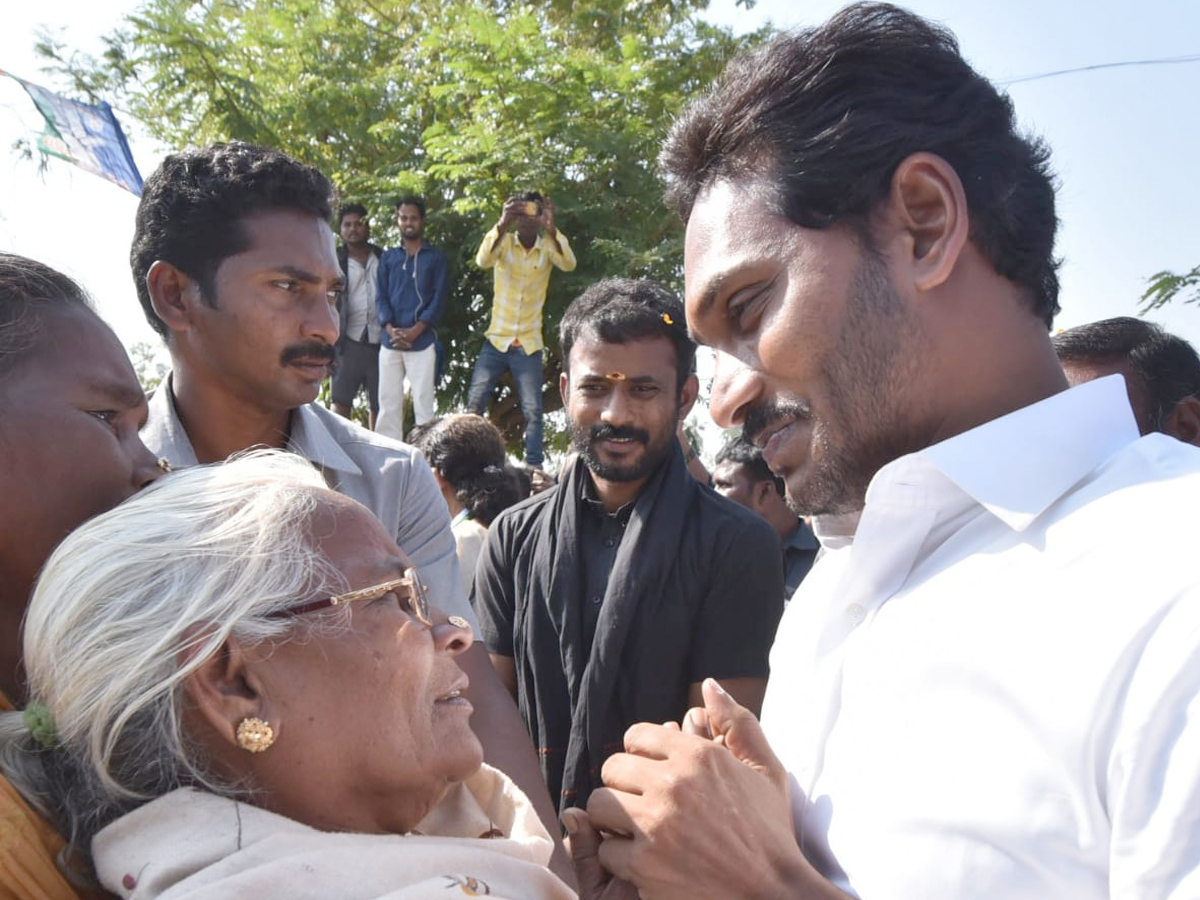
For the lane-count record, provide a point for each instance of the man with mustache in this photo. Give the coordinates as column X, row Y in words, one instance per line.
column 988, row 686
column 234, row 263
column 608, row 599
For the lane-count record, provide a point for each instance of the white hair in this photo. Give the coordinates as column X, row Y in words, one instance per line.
column 132, row 603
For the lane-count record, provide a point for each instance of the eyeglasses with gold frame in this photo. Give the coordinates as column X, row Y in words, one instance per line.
column 409, row 587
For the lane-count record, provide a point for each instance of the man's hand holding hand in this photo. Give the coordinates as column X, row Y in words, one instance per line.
column 396, row 336
column 685, row 816
column 583, row 842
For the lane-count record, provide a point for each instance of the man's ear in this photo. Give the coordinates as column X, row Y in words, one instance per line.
column 761, row 494
column 564, row 387
column 687, row 395
column 224, row 689
column 173, row 293
column 1184, row 421
column 930, row 207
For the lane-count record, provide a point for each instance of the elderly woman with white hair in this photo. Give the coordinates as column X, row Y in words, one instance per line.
column 238, row 688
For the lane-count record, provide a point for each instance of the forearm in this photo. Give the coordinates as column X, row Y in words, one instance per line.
column 489, row 250
column 798, row 880
column 561, row 254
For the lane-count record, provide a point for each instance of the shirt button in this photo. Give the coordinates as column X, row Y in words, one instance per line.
column 597, row 600
column 609, row 542
column 856, row 613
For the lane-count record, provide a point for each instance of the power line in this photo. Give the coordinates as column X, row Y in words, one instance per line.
column 1165, row 61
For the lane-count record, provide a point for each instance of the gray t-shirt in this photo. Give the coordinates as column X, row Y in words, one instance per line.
column 387, row 477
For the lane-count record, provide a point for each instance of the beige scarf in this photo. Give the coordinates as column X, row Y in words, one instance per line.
column 193, row 845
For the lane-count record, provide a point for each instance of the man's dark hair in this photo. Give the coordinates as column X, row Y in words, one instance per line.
column 1165, row 364
column 348, row 209
column 740, row 452
column 192, row 208
column 829, row 113
column 28, row 290
column 411, row 200
column 618, row 310
column 535, row 196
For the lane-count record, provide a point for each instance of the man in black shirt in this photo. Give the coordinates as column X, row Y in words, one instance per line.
column 609, row 598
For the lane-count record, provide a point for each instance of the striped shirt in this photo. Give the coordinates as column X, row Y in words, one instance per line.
column 521, row 279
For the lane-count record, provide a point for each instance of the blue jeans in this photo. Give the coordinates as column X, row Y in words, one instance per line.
column 526, row 372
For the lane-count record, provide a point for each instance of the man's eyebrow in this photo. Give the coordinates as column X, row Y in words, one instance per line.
column 299, row 274
column 712, row 290
column 592, row 377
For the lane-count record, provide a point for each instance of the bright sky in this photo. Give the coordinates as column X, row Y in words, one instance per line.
column 1124, row 140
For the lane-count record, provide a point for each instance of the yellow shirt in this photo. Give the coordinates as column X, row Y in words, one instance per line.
column 28, row 846
column 521, row 279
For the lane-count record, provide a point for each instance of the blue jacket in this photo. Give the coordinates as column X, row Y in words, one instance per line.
column 411, row 289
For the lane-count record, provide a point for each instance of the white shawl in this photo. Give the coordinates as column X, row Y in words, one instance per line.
column 193, row 845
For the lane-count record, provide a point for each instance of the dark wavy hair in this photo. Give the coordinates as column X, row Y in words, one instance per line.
column 192, row 208
column 411, row 200
column 28, row 291
column 618, row 310
column 740, row 452
column 468, row 451
column 829, row 113
column 350, row 208
column 1165, row 364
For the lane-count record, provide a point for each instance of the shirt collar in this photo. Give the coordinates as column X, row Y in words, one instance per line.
column 1018, row 465
column 164, row 432
column 591, row 500
column 310, row 437
column 802, row 539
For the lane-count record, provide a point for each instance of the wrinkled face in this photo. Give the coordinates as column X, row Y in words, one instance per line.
column 355, row 230
column 730, row 480
column 622, row 402
column 411, row 222
column 267, row 335
column 815, row 349
column 372, row 728
column 69, row 417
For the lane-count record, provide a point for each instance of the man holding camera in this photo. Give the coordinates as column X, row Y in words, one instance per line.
column 521, row 248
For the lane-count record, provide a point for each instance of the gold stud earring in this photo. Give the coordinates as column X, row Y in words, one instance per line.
column 255, row 734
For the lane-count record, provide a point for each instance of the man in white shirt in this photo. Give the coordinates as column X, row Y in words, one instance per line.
column 357, row 363
column 989, row 687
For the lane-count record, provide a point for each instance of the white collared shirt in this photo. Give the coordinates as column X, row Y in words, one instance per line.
column 993, row 689
column 360, row 298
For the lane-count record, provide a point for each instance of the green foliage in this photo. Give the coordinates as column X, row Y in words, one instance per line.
column 462, row 101
column 1167, row 286
column 148, row 365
